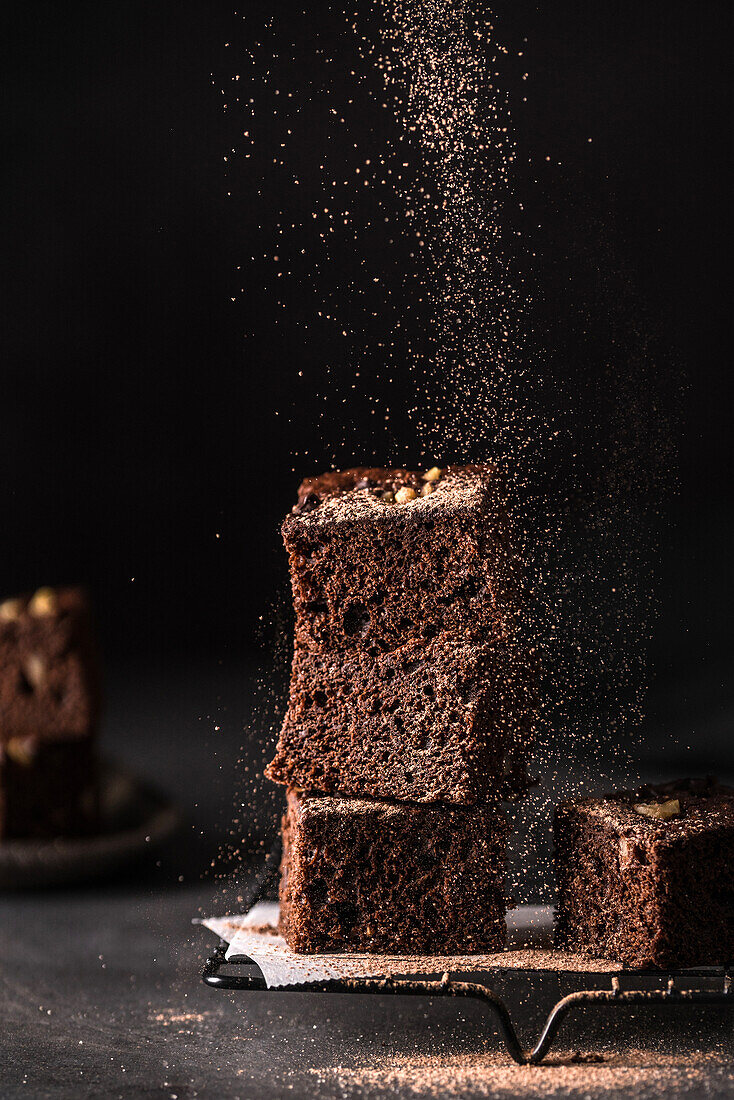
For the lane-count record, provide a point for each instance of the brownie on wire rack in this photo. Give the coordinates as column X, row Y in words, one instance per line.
column 647, row 876
column 411, row 711
column 365, row 875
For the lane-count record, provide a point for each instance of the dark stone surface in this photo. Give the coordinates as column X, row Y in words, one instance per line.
column 101, row 997
column 100, row 986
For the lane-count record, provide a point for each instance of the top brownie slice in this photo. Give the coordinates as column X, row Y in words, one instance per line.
column 379, row 557
column 49, row 682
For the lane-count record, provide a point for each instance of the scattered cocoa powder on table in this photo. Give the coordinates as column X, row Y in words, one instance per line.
column 640, row 1074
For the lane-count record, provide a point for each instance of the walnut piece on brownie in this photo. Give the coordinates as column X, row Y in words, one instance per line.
column 448, row 720
column 49, row 712
column 647, row 876
column 370, row 876
column 376, row 561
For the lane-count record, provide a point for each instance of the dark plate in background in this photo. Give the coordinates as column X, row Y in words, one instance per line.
column 137, row 820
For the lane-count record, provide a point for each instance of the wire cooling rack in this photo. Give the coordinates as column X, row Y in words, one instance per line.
column 695, row 987
column 705, row 986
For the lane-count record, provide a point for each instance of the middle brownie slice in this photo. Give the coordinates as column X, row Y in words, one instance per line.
column 450, row 720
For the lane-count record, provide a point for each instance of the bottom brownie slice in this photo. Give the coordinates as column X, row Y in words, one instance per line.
column 647, row 876
column 385, row 877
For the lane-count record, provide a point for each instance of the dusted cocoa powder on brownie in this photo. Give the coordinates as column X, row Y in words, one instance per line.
column 369, row 876
column 449, row 720
column 49, row 710
column 647, row 876
column 379, row 557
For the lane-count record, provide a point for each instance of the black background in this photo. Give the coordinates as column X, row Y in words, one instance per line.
column 153, row 429
column 138, row 421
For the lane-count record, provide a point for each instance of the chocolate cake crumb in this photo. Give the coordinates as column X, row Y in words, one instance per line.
column 651, row 890
column 366, row 876
column 449, row 720
column 371, row 571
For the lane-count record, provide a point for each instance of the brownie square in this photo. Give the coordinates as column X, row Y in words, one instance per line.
column 448, row 720
column 379, row 557
column 49, row 679
column 647, row 876
column 49, row 710
column 367, row 876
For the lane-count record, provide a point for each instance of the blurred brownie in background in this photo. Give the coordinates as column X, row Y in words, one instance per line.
column 49, row 714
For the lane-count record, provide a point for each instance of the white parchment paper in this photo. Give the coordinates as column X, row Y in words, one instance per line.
column 254, row 936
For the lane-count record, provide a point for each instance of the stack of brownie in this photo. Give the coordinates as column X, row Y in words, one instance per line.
column 49, row 709
column 410, row 712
